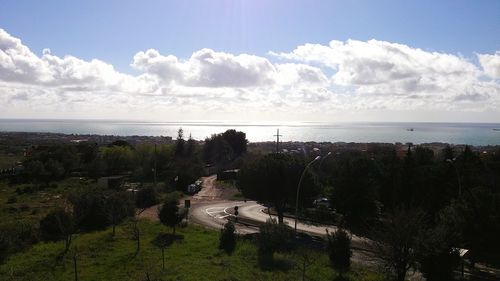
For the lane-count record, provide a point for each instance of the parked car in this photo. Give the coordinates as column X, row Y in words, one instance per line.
column 194, row 187
column 322, row 202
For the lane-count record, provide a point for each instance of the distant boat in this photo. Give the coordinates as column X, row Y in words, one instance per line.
column 410, row 129
column 496, row 129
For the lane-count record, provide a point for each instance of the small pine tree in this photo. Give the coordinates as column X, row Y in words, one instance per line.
column 339, row 250
column 169, row 212
column 227, row 240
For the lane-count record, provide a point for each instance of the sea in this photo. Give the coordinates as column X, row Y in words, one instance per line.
column 478, row 134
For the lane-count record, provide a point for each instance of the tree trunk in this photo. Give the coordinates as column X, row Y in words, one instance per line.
column 279, row 210
column 75, row 267
column 163, row 257
column 138, row 244
column 114, row 226
column 67, row 243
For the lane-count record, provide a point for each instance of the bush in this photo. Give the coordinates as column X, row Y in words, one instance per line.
column 273, row 237
column 169, row 214
column 227, row 240
column 89, row 209
column 16, row 236
column 146, row 197
column 339, row 250
column 56, row 225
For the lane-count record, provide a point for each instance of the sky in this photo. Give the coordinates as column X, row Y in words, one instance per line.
column 251, row 61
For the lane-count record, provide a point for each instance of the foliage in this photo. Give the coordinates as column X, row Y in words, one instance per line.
column 273, row 237
column 396, row 240
column 103, row 259
column 339, row 250
column 89, row 209
column 118, row 159
column 223, row 148
column 146, row 197
column 273, row 179
column 227, row 240
column 355, row 192
column 56, row 225
column 119, row 206
column 16, row 236
column 169, row 214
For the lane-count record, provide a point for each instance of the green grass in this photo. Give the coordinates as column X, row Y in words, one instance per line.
column 196, row 257
column 34, row 200
column 8, row 160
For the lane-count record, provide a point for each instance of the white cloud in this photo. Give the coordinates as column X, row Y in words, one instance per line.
column 373, row 75
column 398, row 76
column 491, row 64
column 207, row 68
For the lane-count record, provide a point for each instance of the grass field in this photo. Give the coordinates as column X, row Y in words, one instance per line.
column 32, row 201
column 196, row 257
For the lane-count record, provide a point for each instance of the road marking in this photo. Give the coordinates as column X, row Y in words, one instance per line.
column 218, row 212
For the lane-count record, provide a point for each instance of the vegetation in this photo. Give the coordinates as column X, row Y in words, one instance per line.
column 196, row 257
column 339, row 250
column 227, row 240
column 273, row 238
column 169, row 213
column 273, row 179
column 416, row 207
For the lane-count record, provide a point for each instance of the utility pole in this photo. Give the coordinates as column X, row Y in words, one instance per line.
column 278, row 140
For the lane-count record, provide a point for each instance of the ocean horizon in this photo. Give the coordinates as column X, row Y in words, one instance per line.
column 478, row 134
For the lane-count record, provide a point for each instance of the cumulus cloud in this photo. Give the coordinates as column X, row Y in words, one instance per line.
column 207, row 68
column 395, row 72
column 362, row 75
column 491, row 64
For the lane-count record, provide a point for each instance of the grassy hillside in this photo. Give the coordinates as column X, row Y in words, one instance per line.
column 195, row 257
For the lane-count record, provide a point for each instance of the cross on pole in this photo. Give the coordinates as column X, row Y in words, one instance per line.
column 278, row 140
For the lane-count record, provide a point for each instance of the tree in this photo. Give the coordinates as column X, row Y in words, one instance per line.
column 339, row 250
column 236, row 140
column 57, row 225
column 169, row 212
column 227, row 239
column 396, row 241
column 134, row 233
column 222, row 148
column 118, row 159
column 89, row 209
column 273, row 238
column 162, row 241
column 307, row 258
column 146, row 197
column 273, row 180
column 355, row 191
column 119, row 205
column 179, row 144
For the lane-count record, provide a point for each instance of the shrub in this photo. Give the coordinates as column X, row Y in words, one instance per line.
column 339, row 250
column 169, row 212
column 273, row 237
column 146, row 197
column 227, row 240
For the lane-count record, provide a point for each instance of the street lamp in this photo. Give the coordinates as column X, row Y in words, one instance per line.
column 324, row 157
column 298, row 189
column 452, row 162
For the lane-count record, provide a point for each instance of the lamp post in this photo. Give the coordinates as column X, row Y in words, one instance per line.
column 298, row 189
column 324, row 157
column 452, row 162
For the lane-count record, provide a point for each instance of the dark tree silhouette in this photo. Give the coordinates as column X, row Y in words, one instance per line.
column 339, row 250
column 169, row 212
